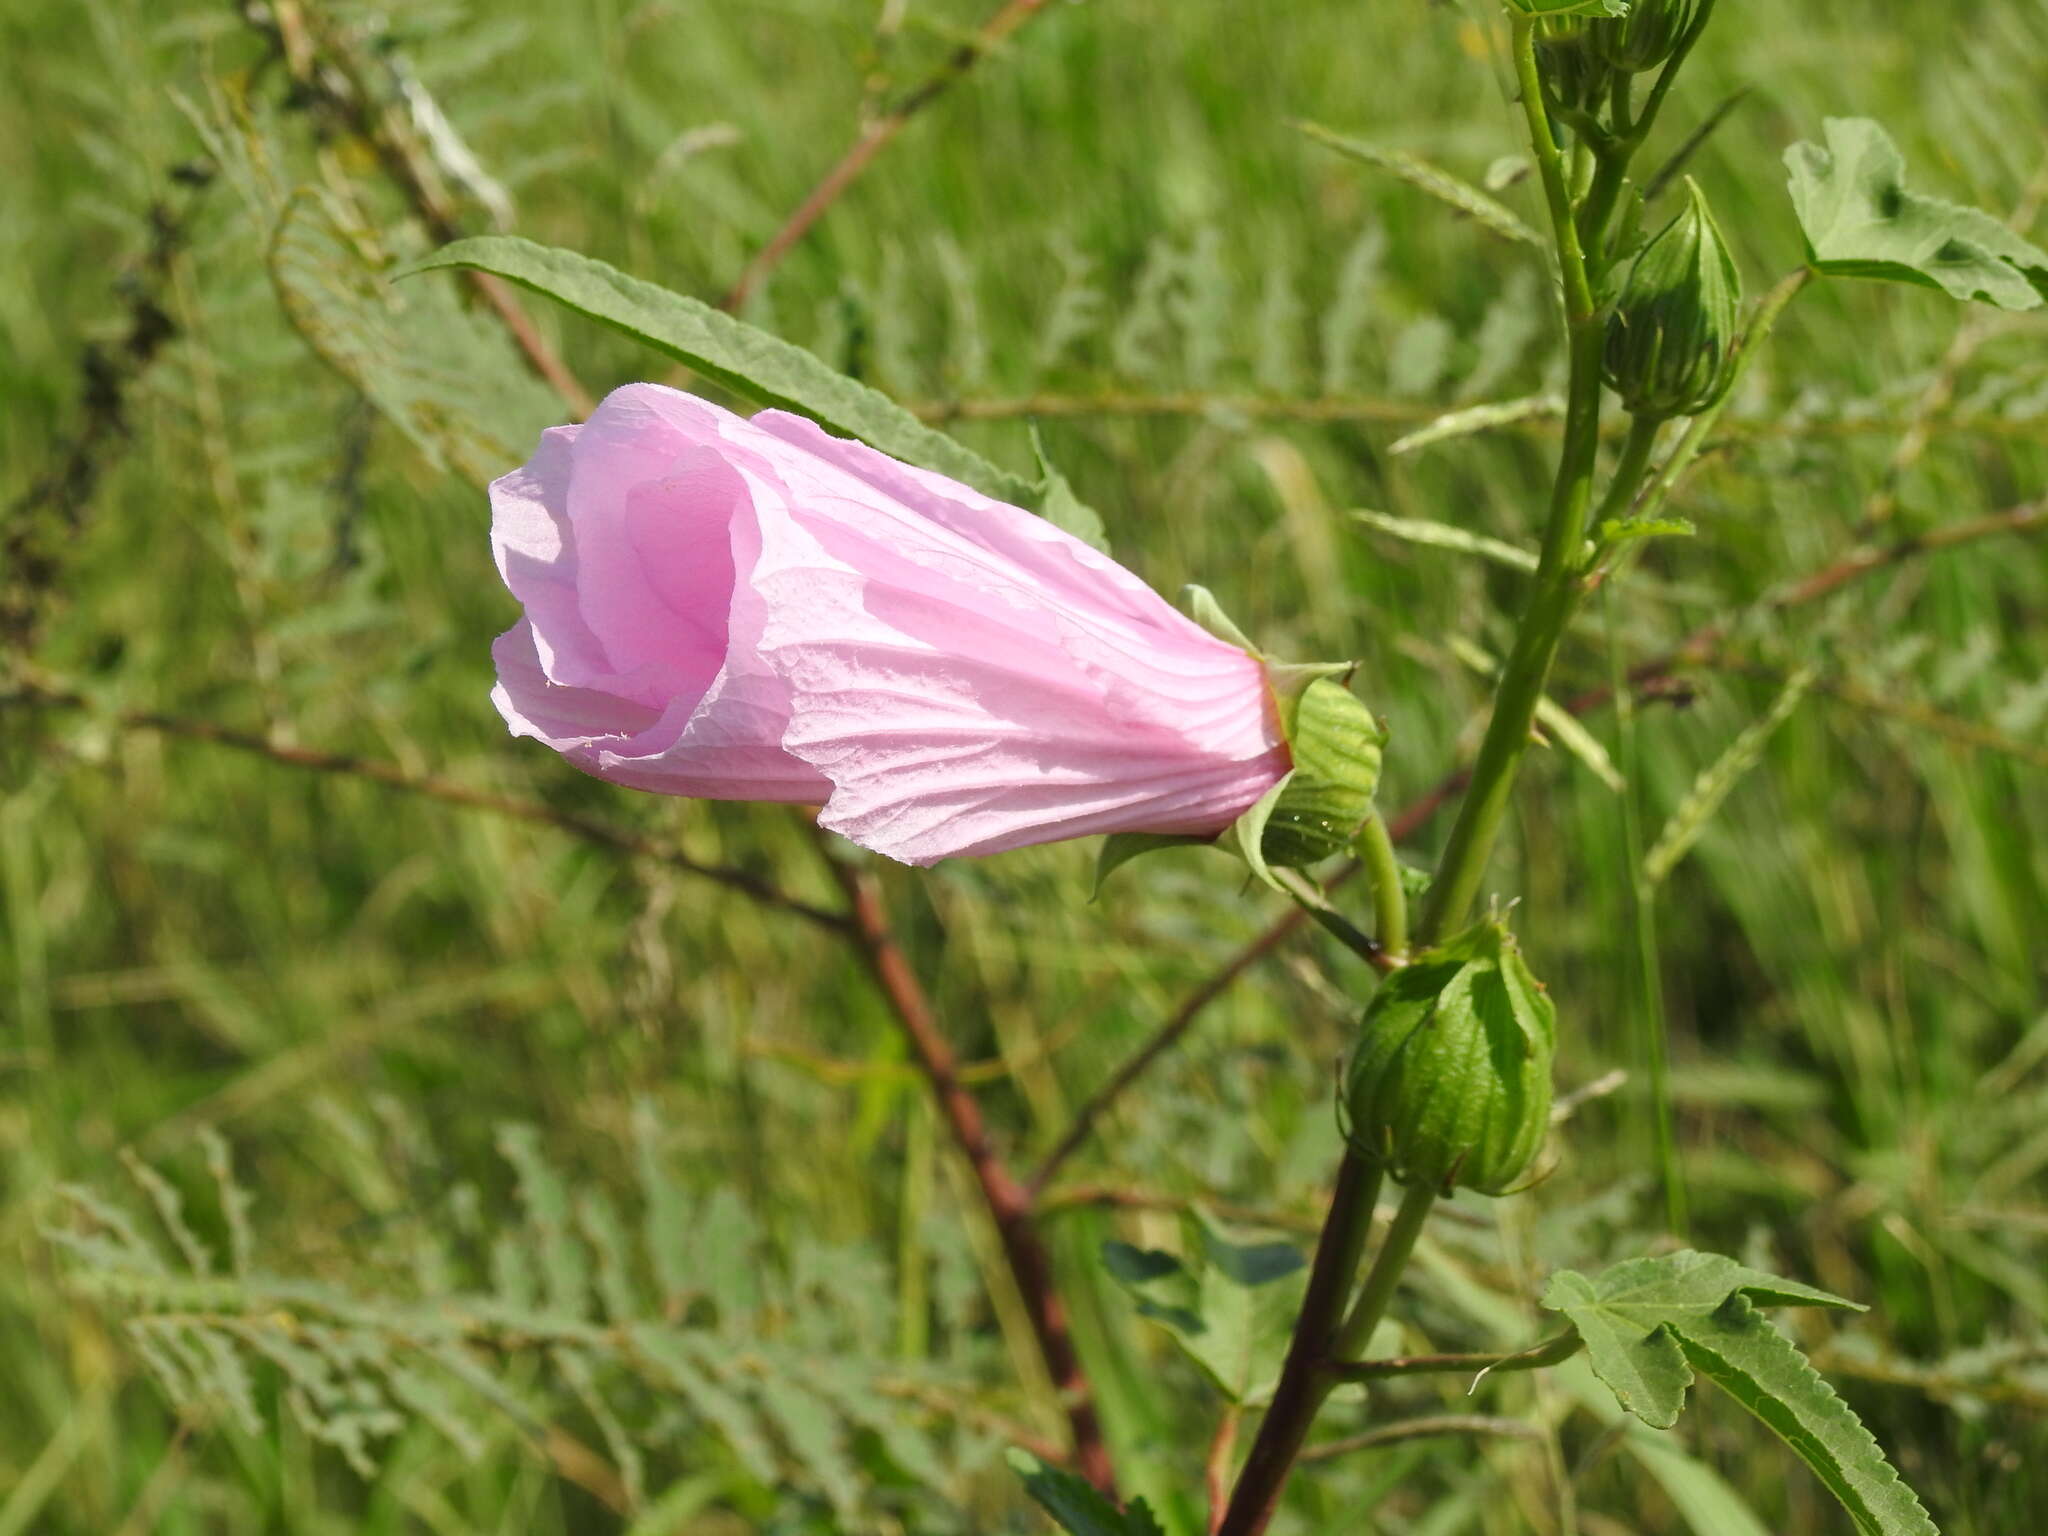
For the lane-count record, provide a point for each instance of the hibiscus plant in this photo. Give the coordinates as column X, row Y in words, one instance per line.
column 831, row 604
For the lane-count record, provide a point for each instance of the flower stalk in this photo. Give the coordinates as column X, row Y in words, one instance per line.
column 1329, row 1335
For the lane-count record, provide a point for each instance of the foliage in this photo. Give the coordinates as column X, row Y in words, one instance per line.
column 663, row 1327
column 1649, row 1324
column 194, row 936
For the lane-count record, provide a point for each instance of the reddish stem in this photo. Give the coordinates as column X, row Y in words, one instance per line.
column 1009, row 1203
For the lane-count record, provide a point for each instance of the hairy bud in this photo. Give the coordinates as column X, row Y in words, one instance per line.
column 1671, row 334
column 1449, row 1084
column 1647, row 36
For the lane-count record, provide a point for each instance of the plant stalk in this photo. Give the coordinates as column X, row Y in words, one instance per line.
column 1304, row 1384
column 1389, row 897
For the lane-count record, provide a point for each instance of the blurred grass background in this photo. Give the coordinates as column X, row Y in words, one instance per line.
column 1222, row 328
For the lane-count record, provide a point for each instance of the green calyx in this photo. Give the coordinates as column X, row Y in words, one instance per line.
column 1325, row 799
column 1646, row 37
column 1575, row 76
column 1671, row 333
column 1335, row 741
column 1449, row 1083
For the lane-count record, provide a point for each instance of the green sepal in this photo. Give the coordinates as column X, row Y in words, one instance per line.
column 1670, row 339
column 1201, row 606
column 1335, row 742
column 1449, row 1084
column 1648, row 36
column 1568, row 7
column 1119, row 848
column 1054, row 500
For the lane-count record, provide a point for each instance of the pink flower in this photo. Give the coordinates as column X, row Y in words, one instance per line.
column 757, row 610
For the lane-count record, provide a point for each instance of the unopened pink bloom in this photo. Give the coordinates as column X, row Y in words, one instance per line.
column 757, row 610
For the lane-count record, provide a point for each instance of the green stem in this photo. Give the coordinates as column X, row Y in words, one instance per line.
column 1310, row 898
column 1462, row 868
column 1630, row 468
column 1375, row 849
column 1550, row 1352
column 1578, row 289
column 1387, row 1264
column 1653, row 1027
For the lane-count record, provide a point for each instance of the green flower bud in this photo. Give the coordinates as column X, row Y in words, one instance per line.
column 1576, row 76
column 1647, row 36
column 1671, row 335
column 1449, row 1084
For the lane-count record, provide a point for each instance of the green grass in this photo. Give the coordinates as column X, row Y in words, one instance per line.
column 358, row 986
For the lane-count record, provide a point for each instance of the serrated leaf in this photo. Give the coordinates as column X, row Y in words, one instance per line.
column 1860, row 221
column 1742, row 1354
column 1232, row 1314
column 1650, row 1324
column 1077, row 1506
column 1439, row 184
column 742, row 357
column 1630, row 1315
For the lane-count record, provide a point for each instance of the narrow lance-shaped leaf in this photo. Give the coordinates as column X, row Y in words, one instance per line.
column 1439, row 184
column 1860, row 221
column 751, row 362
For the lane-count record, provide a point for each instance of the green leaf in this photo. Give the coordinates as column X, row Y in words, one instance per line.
column 1629, row 1316
column 1761, row 1369
column 1232, row 1315
column 1439, row 184
column 1860, row 221
column 1077, row 1506
column 1416, row 530
column 1474, row 419
column 1119, row 848
column 1650, row 1324
column 739, row 356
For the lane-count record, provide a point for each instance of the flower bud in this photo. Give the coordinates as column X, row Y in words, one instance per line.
column 1647, row 36
column 1576, row 76
column 1672, row 331
column 1449, row 1084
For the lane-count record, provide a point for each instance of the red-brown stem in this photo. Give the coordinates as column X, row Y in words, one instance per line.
column 1008, row 1202
column 306, row 38
column 1216, row 1470
column 872, row 141
column 448, row 791
column 1303, row 1383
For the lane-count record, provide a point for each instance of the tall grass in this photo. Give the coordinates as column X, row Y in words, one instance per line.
column 358, row 986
